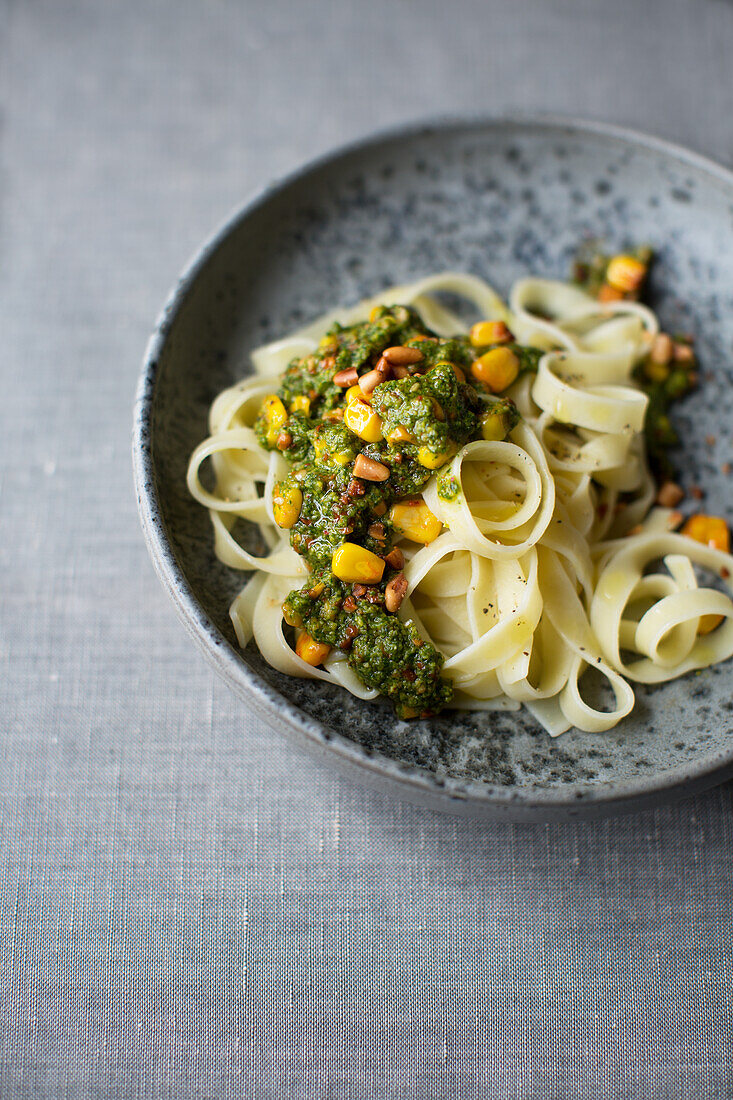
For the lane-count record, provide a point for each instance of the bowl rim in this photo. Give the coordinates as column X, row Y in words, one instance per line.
column 487, row 799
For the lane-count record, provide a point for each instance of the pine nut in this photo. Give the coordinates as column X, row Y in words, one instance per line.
column 371, row 380
column 378, row 532
column 402, row 356
column 395, row 592
column 346, row 377
column 400, row 372
column 370, row 470
column 662, row 349
column 395, row 558
column 670, row 494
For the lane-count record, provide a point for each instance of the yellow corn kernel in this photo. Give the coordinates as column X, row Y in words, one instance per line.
column 625, row 273
column 431, row 461
column 362, row 420
column 375, row 313
column 301, row 404
column 328, row 343
column 311, row 651
column 292, row 618
column 328, row 458
column 401, row 435
column 493, row 426
column 489, row 332
column 709, row 530
column 287, row 501
column 355, row 565
column 414, row 520
column 356, row 393
column 276, row 417
column 497, row 368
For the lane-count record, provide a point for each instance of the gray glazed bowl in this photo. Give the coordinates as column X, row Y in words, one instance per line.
column 501, row 198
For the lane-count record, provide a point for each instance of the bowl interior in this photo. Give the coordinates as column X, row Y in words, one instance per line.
column 501, row 200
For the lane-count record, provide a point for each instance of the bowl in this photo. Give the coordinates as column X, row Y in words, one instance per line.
column 501, row 198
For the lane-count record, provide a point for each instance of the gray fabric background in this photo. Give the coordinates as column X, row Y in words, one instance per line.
column 188, row 908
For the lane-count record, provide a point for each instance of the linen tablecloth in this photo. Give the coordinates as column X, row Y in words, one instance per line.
column 188, row 907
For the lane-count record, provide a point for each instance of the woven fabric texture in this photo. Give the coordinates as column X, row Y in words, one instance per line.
column 188, row 907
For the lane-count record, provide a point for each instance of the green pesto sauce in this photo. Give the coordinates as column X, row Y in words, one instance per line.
column 386, row 654
column 435, row 408
column 441, row 414
column 661, row 435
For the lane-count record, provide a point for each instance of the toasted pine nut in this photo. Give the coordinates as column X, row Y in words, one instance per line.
column 284, row 440
column 683, row 353
column 377, row 531
column 371, row 380
column 674, row 519
column 670, row 494
column 662, row 349
column 402, row 356
column 370, row 470
column 346, row 377
column 395, row 558
column 395, row 592
column 400, row 372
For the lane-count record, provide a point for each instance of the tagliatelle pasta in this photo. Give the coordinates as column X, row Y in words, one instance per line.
column 497, row 546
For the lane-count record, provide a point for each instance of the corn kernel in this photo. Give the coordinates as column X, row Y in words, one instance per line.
column 276, row 416
column 414, row 520
column 301, row 403
column 431, row 461
column 401, row 435
column 497, row 369
column 493, row 426
column 362, row 420
column 709, row 530
column 356, row 393
column 354, row 564
column 490, row 332
column 292, row 618
column 625, row 273
column 287, row 501
column 311, row 651
column 328, row 458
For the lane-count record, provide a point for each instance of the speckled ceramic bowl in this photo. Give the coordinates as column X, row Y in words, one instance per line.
column 501, row 198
